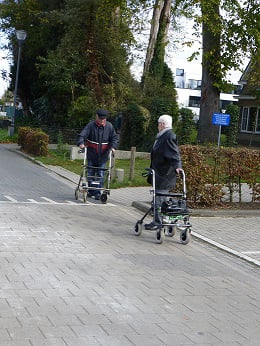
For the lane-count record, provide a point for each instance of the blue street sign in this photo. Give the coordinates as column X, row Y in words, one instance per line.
column 220, row 119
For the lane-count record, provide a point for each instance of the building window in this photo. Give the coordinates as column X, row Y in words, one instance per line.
column 180, row 72
column 194, row 84
column 250, row 120
column 194, row 101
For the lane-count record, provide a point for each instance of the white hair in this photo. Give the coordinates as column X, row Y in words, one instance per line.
column 166, row 120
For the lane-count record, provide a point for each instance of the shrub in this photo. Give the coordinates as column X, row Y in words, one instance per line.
column 23, row 136
column 231, row 131
column 185, row 127
column 33, row 141
column 134, row 125
column 210, row 170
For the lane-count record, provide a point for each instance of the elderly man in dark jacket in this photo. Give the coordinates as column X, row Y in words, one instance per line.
column 99, row 137
column 166, row 162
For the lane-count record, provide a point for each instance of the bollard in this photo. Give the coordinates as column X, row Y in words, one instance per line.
column 120, row 174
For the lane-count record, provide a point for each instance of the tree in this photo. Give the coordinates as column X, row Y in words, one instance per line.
column 158, row 7
column 227, row 36
column 39, row 20
column 77, row 54
column 154, row 62
column 253, row 77
column 157, row 80
column 78, row 49
column 211, row 70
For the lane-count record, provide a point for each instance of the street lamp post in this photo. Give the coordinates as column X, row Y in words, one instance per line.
column 21, row 36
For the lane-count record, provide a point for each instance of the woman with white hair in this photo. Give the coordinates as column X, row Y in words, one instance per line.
column 166, row 163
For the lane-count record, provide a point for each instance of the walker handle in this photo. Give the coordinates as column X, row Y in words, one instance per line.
column 148, row 172
column 81, row 150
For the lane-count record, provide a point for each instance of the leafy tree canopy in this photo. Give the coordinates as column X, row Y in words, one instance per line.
column 238, row 27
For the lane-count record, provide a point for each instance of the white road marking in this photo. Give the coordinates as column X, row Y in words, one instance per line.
column 251, row 252
column 49, row 200
column 11, row 199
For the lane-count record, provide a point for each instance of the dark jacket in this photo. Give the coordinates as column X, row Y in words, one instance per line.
column 165, row 158
column 99, row 141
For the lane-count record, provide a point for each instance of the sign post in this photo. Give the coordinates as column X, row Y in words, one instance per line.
column 220, row 119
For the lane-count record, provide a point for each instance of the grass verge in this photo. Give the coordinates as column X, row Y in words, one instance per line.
column 61, row 158
column 5, row 138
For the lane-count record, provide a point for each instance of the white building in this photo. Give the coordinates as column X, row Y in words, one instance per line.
column 188, row 87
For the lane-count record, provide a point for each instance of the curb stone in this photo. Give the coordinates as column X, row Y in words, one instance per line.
column 144, row 206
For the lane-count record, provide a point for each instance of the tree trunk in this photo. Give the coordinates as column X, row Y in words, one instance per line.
column 209, row 104
column 153, row 35
column 211, row 71
column 157, row 63
column 93, row 80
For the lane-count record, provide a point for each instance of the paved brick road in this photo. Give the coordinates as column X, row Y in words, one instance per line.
column 77, row 275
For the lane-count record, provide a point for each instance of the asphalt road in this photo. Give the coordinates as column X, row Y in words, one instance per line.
column 75, row 274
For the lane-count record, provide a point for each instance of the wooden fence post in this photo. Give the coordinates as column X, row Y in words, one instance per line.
column 132, row 163
column 113, row 168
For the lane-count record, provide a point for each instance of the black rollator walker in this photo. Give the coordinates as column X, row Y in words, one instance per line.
column 174, row 214
column 89, row 183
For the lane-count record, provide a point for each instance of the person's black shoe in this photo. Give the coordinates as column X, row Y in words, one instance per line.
column 152, row 226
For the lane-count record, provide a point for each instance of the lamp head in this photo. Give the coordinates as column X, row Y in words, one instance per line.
column 21, row 35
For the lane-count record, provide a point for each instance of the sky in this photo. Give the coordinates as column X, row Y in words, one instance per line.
column 4, row 65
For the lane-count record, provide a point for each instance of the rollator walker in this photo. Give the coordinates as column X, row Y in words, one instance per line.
column 89, row 183
column 174, row 213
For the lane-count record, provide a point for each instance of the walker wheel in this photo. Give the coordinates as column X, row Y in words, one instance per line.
column 185, row 236
column 103, row 198
column 138, row 228
column 159, row 236
column 77, row 194
column 171, row 231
